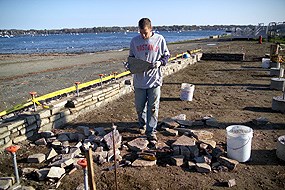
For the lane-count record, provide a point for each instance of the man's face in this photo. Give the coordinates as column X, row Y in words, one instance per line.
column 145, row 32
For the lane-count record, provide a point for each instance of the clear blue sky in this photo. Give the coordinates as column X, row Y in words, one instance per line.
column 58, row 14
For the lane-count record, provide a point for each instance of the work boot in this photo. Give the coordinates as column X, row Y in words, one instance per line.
column 142, row 130
column 152, row 137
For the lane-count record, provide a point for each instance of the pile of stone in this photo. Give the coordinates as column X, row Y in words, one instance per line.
column 66, row 148
column 192, row 148
column 196, row 148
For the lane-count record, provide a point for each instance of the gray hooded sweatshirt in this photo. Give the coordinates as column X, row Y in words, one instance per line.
column 151, row 50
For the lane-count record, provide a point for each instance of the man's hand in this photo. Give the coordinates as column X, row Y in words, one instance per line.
column 155, row 65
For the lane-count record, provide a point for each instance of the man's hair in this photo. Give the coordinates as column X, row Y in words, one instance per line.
column 144, row 22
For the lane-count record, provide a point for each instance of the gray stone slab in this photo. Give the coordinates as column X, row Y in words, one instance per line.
column 171, row 132
column 202, row 134
column 143, row 163
column 138, row 144
column 171, row 123
column 63, row 162
column 212, row 122
column 74, row 151
column 42, row 173
column 176, row 150
column 108, row 138
column 191, row 165
column 212, row 143
column 185, row 151
column 229, row 163
column 47, row 134
column 177, row 160
column 100, row 131
column 83, row 130
column 6, row 182
column 203, row 159
column 184, row 141
column 186, row 123
column 41, row 141
column 55, row 172
column 51, row 154
column 137, row 65
column 203, row 168
column 27, row 171
column 36, row 158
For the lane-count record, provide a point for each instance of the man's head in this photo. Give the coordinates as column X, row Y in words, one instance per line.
column 145, row 28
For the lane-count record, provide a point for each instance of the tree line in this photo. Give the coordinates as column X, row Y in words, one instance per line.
column 16, row 32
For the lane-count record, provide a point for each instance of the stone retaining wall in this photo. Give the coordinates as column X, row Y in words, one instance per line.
column 27, row 124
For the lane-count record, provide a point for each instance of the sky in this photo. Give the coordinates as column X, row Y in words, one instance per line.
column 58, row 14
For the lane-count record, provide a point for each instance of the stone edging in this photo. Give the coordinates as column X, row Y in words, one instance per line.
column 26, row 125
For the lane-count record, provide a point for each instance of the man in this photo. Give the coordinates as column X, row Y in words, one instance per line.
column 150, row 47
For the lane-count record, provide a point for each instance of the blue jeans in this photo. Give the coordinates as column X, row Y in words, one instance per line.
column 147, row 106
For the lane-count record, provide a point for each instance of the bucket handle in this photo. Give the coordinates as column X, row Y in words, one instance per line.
column 242, row 145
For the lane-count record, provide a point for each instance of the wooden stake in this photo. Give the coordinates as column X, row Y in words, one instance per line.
column 90, row 168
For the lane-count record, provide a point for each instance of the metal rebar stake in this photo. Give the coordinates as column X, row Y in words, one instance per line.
column 85, row 179
column 83, row 164
column 115, row 158
column 13, row 150
column 16, row 167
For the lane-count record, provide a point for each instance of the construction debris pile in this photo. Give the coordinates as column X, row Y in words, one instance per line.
column 195, row 149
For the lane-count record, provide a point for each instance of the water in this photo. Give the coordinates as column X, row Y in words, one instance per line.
column 92, row 42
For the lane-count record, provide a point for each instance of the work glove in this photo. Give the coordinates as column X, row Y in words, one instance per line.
column 155, row 65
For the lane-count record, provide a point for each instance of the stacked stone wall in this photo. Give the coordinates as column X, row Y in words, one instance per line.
column 28, row 124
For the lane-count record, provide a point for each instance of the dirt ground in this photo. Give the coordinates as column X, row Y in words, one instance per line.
column 232, row 92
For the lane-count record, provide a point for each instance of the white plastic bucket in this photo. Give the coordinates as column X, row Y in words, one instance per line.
column 187, row 91
column 239, row 142
column 265, row 63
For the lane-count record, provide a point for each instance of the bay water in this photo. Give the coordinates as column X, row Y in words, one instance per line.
column 87, row 42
